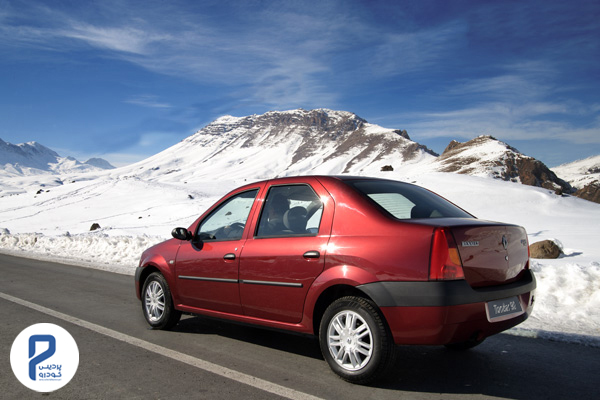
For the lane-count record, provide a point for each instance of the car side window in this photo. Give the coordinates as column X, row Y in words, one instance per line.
column 290, row 210
column 227, row 222
column 405, row 201
column 394, row 203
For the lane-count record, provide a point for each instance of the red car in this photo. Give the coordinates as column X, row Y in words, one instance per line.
column 362, row 263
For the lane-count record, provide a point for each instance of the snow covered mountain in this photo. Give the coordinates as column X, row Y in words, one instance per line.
column 99, row 163
column 31, row 165
column 283, row 143
column 584, row 175
column 19, row 158
column 487, row 156
column 33, row 158
column 580, row 173
column 330, row 142
column 293, row 142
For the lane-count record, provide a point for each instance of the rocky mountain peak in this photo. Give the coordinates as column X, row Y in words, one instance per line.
column 487, row 156
column 323, row 120
column 480, row 142
column 319, row 141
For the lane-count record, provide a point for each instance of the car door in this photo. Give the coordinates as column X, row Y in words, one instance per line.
column 286, row 252
column 207, row 266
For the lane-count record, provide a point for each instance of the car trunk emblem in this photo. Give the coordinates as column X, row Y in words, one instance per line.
column 504, row 242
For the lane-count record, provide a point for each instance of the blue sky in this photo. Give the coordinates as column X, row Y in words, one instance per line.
column 126, row 79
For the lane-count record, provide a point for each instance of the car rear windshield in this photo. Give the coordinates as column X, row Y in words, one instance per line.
column 406, row 201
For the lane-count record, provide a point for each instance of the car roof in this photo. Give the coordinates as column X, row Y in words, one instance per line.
column 324, row 177
column 298, row 178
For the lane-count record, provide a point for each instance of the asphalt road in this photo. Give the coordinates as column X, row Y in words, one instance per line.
column 121, row 358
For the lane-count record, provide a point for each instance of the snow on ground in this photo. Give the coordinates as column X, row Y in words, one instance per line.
column 135, row 214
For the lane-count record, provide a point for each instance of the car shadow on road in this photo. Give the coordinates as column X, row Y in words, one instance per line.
column 303, row 345
column 503, row 366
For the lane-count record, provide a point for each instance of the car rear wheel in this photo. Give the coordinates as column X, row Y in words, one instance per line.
column 157, row 303
column 355, row 340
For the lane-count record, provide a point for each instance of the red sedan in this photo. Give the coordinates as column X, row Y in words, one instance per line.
column 362, row 263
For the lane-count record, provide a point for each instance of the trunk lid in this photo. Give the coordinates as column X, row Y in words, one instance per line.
column 492, row 253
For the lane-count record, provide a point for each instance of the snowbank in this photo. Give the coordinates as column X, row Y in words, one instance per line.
column 568, row 297
column 95, row 250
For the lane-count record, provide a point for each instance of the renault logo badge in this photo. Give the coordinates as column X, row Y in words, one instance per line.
column 504, row 242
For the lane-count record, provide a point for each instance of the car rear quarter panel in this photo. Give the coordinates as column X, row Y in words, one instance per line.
column 364, row 237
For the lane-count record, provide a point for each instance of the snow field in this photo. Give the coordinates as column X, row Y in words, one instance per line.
column 134, row 214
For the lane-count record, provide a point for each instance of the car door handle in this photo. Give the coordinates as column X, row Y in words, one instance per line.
column 312, row 254
column 229, row 256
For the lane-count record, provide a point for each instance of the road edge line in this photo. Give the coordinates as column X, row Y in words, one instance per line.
column 240, row 377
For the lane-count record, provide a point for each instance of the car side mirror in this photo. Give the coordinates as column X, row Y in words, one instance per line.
column 181, row 234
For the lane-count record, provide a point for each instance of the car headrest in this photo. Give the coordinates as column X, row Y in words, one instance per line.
column 294, row 219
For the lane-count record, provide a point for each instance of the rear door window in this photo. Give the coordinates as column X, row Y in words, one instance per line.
column 290, row 210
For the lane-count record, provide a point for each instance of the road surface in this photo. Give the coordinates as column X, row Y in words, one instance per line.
column 121, row 358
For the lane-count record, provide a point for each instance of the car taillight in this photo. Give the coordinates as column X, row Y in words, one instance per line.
column 445, row 261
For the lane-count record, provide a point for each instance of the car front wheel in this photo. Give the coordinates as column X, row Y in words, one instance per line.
column 157, row 303
column 355, row 341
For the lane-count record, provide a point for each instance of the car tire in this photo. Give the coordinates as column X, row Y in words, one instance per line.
column 157, row 303
column 355, row 340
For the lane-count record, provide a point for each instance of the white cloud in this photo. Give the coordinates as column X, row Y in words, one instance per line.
column 284, row 55
column 398, row 53
column 146, row 100
column 524, row 102
column 505, row 122
column 275, row 55
column 122, row 39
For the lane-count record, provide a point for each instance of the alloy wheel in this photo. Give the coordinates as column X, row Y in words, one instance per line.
column 350, row 340
column 154, row 300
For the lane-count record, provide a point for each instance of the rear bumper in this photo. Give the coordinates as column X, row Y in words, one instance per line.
column 446, row 311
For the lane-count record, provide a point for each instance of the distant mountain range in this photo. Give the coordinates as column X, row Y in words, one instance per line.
column 313, row 142
column 33, row 158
